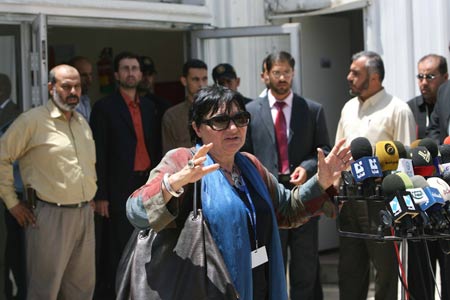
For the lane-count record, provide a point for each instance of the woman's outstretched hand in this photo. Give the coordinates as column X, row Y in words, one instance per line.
column 329, row 168
column 193, row 171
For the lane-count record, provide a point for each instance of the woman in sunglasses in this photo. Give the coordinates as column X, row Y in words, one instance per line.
column 242, row 202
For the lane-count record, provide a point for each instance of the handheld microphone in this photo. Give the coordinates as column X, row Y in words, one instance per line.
column 445, row 158
column 422, row 161
column 441, row 186
column 365, row 165
column 400, row 202
column 417, row 192
column 433, row 148
column 404, row 162
column 419, row 197
column 387, row 153
column 443, row 215
column 434, row 206
column 447, row 141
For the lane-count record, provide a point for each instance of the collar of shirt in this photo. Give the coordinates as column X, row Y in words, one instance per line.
column 287, row 109
column 56, row 113
column 5, row 103
column 84, row 99
column 130, row 101
column 372, row 101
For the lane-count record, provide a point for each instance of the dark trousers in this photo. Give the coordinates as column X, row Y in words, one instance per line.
column 304, row 267
column 3, row 270
column 420, row 279
column 112, row 236
column 355, row 255
column 15, row 258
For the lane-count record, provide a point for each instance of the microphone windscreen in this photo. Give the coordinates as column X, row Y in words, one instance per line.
column 419, row 181
column 401, row 150
column 431, row 146
column 415, row 143
column 422, row 161
column 392, row 184
column 447, row 141
column 406, row 180
column 441, row 186
column 360, row 147
column 446, row 177
column 387, row 154
column 445, row 153
column 421, row 157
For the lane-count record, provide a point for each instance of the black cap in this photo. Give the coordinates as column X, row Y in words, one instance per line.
column 223, row 71
column 147, row 65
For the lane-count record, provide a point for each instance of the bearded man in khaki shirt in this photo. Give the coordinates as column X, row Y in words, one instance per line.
column 56, row 153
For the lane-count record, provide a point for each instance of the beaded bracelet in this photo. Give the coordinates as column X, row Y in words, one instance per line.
column 169, row 187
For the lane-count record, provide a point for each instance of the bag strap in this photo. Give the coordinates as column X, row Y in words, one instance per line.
column 195, row 196
column 194, row 200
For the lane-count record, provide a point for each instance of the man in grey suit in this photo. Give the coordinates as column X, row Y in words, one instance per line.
column 432, row 73
column 439, row 120
column 289, row 152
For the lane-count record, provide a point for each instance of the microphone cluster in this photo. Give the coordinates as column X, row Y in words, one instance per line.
column 412, row 181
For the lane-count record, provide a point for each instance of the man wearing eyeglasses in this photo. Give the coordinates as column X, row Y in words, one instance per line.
column 439, row 127
column 432, row 72
column 284, row 135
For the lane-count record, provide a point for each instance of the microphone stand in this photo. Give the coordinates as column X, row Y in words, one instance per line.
column 403, row 238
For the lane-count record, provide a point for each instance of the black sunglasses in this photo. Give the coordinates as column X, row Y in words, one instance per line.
column 428, row 77
column 222, row 122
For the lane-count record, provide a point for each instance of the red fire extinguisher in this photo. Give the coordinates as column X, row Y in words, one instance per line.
column 106, row 71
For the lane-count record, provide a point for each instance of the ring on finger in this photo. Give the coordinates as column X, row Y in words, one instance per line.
column 191, row 164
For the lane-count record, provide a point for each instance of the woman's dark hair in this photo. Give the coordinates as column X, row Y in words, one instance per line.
column 209, row 100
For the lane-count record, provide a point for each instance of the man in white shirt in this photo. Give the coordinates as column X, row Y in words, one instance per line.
column 378, row 116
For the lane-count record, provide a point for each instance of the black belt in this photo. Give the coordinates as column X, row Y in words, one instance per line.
column 75, row 205
column 142, row 173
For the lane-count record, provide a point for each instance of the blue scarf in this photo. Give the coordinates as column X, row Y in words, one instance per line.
column 227, row 218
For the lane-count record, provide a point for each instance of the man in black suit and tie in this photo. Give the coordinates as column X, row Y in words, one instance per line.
column 127, row 147
column 284, row 133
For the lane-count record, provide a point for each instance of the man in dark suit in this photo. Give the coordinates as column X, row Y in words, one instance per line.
column 289, row 152
column 127, row 147
column 432, row 72
column 9, row 228
column 439, row 120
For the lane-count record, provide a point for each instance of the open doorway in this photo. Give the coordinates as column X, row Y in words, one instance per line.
column 165, row 47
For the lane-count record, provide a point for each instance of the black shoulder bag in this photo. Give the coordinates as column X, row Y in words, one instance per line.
column 174, row 264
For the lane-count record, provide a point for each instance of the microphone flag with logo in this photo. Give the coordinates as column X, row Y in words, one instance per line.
column 365, row 165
